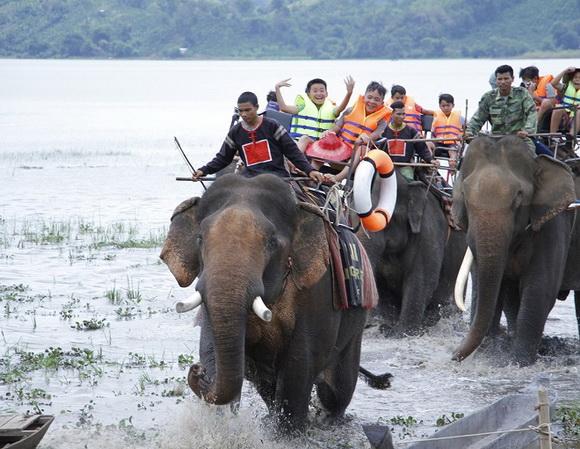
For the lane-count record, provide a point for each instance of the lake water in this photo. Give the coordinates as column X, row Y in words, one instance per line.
column 87, row 187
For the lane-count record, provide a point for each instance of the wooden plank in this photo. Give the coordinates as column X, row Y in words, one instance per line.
column 17, row 422
column 4, row 419
column 15, row 433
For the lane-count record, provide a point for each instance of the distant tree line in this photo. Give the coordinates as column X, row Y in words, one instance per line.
column 288, row 29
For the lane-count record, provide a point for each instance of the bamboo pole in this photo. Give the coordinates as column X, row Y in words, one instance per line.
column 498, row 136
column 213, row 178
column 396, row 164
column 204, row 178
column 544, row 419
column 467, row 138
column 413, row 164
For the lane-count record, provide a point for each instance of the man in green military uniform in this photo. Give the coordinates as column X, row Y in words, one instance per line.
column 510, row 110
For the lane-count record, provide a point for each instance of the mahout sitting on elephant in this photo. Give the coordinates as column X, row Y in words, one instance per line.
column 512, row 208
column 415, row 260
column 250, row 238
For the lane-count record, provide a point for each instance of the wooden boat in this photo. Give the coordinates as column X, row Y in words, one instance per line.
column 23, row 432
column 517, row 411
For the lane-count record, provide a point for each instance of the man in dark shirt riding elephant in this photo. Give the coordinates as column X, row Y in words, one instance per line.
column 261, row 143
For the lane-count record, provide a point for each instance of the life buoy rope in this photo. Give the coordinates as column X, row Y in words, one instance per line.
column 377, row 219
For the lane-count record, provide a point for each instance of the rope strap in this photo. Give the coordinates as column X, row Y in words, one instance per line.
column 538, row 429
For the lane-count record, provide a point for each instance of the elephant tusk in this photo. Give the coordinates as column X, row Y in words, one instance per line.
column 189, row 304
column 461, row 281
column 261, row 310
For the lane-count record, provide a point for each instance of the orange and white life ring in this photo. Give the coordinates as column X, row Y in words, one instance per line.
column 378, row 218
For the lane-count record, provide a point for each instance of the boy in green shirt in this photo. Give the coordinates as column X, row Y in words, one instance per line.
column 314, row 112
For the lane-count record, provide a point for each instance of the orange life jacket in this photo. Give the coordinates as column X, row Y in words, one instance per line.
column 541, row 90
column 358, row 122
column 444, row 126
column 412, row 116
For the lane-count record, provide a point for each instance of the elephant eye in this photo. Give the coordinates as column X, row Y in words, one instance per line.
column 198, row 239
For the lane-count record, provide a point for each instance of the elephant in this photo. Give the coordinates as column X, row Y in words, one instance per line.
column 247, row 238
column 512, row 205
column 571, row 280
column 415, row 259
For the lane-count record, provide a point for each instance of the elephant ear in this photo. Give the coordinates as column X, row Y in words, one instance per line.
column 553, row 190
column 310, row 253
column 181, row 248
column 416, row 205
column 185, row 205
column 458, row 210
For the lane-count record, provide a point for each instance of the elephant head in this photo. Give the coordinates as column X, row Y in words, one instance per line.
column 501, row 192
column 238, row 240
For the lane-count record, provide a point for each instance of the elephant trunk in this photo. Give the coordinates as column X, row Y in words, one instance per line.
column 231, row 279
column 491, row 246
column 228, row 293
column 227, row 317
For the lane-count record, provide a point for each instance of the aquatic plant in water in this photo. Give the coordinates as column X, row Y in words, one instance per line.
column 78, row 232
column 569, row 417
column 90, row 325
column 114, row 295
column 17, row 363
column 443, row 420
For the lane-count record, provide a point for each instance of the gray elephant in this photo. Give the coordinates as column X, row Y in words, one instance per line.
column 512, row 208
column 571, row 280
column 415, row 259
column 247, row 239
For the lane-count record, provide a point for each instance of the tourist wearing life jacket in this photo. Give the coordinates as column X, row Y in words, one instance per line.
column 397, row 134
column 362, row 123
column 314, row 113
column 540, row 89
column 413, row 111
column 261, row 143
column 448, row 123
column 569, row 90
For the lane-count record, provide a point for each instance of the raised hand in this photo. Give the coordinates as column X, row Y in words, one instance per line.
column 349, row 82
column 283, row 83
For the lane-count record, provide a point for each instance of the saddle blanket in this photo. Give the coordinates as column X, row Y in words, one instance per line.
column 352, row 271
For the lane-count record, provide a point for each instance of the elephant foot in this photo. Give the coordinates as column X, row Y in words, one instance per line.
column 198, row 380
